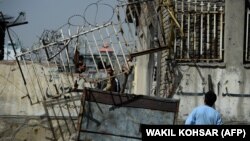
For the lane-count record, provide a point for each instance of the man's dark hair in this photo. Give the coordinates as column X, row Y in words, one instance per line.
column 210, row 98
column 100, row 65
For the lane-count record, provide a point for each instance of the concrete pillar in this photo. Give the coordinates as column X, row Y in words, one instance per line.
column 234, row 32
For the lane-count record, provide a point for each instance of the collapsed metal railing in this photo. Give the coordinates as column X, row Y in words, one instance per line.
column 50, row 67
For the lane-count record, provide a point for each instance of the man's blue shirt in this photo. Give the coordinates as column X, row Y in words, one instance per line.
column 204, row 115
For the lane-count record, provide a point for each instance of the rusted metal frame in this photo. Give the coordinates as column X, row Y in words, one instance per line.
column 124, row 103
column 73, row 36
column 146, row 102
column 49, row 120
column 112, row 66
column 58, row 123
column 153, row 50
column 108, row 134
column 64, row 119
column 96, row 44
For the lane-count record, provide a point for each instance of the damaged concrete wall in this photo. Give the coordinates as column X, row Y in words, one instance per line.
column 230, row 81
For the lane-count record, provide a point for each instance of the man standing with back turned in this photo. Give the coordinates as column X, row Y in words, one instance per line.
column 205, row 114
